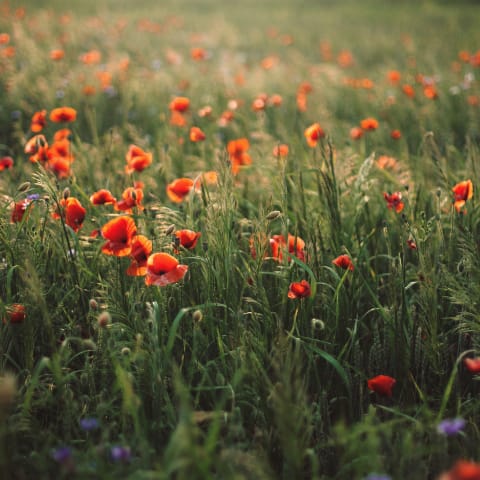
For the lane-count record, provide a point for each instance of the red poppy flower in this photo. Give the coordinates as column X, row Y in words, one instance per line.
column 141, row 249
column 369, row 124
column 102, row 197
column 411, row 244
column 187, row 238
column 179, row 104
column 300, row 289
column 356, row 133
column 137, row 159
column 178, row 190
column 60, row 166
column 62, row 134
column 394, row 201
column 237, row 150
column 74, row 213
column 4, row 38
column 196, row 135
column 63, row 114
column 57, row 54
column 39, row 121
column 6, row 163
column 394, row 77
column 382, row 384
column 396, row 134
column 463, row 191
column 343, row 261
column 313, row 134
column 119, row 233
column 198, row 53
column 15, row 313
column 163, row 269
column 18, row 210
column 462, row 470
column 131, row 197
column 408, row 90
column 386, row 162
column 280, row 150
column 206, row 178
column 472, row 364
column 91, row 57
column 295, row 247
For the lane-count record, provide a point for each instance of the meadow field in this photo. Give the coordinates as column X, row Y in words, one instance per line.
column 239, row 240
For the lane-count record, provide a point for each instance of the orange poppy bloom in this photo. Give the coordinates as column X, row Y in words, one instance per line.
column 295, row 246
column 344, row 261
column 178, row 190
column 73, row 211
column 384, row 161
column 345, row 59
column 18, row 210
column 205, row 111
column 61, row 148
column 463, row 191
column 177, row 119
column 4, row 38
column 462, row 470
column 394, row 77
column 196, row 135
column 102, row 197
column 237, row 150
column 382, row 384
column 280, row 150
column 408, row 90
column 187, row 238
column 206, row 178
column 15, row 313
column 275, row 100
column 6, row 163
column 57, row 54
column 39, row 121
column 137, row 159
column 62, row 134
column 396, row 134
column 60, row 166
column 119, row 233
column 179, row 104
column 91, row 58
column 198, row 53
column 258, row 105
column 300, row 289
column 313, row 134
column 472, row 364
column 369, row 124
column 131, row 197
column 163, row 269
column 394, row 201
column 89, row 90
column 141, row 249
column 8, row 52
column 356, row 133
column 63, row 114
column 430, row 91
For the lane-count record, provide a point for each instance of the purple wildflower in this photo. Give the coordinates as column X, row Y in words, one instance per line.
column 451, row 426
column 120, row 453
column 62, row 454
column 89, row 423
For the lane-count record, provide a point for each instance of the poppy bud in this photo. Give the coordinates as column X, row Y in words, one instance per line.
column 93, row 304
column 104, row 319
column 66, row 193
column 169, row 230
column 125, row 351
column 273, row 215
column 197, row 316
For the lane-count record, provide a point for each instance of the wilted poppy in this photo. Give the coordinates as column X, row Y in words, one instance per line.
column 463, row 191
column 102, row 197
column 313, row 134
column 196, row 135
column 382, row 384
column 187, row 238
column 163, row 269
column 178, row 190
column 369, row 124
column 6, row 163
column 472, row 364
column 119, row 233
column 137, row 159
column 394, row 201
column 18, row 210
column 344, row 261
column 141, row 250
column 37, row 148
column 300, row 289
column 131, row 197
column 63, row 114
column 294, row 246
column 237, row 150
column 15, row 313
column 39, row 121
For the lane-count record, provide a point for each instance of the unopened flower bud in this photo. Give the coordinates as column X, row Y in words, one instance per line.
column 197, row 316
column 104, row 319
column 169, row 230
column 66, row 193
column 93, row 304
column 273, row 215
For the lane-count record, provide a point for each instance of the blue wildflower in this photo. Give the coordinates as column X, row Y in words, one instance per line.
column 62, row 454
column 120, row 453
column 451, row 426
column 89, row 423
